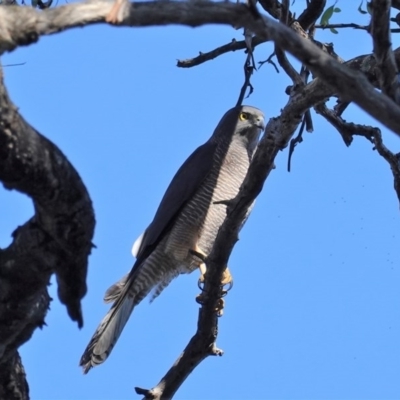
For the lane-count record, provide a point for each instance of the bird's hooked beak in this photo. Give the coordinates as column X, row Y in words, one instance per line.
column 260, row 123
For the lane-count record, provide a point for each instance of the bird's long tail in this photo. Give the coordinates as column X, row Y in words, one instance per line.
column 154, row 274
column 107, row 333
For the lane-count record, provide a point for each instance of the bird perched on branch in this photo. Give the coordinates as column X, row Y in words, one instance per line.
column 185, row 226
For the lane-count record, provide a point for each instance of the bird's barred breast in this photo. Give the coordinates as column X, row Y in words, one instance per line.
column 197, row 226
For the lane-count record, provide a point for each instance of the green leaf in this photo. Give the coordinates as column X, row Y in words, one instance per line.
column 326, row 16
column 333, row 30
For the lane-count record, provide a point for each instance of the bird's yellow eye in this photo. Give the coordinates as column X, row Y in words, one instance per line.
column 243, row 116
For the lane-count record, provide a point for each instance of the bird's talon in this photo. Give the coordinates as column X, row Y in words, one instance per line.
column 199, row 298
column 200, row 284
column 220, row 307
column 230, row 286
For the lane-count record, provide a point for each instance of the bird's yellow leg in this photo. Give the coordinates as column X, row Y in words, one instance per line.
column 226, row 280
column 203, row 270
column 197, row 252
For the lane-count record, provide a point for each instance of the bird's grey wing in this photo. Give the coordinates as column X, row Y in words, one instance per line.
column 181, row 189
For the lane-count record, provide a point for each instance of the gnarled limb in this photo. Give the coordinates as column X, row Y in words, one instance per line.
column 57, row 239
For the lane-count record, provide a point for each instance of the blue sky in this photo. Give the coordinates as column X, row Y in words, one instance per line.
column 315, row 309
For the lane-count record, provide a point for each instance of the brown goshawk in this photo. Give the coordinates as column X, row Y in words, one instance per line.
column 185, row 225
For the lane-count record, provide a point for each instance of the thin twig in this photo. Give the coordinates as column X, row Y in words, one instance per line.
column 348, row 129
column 14, row 65
column 226, row 48
column 391, row 158
column 248, row 71
column 295, row 141
column 340, row 26
column 340, row 107
column 269, row 61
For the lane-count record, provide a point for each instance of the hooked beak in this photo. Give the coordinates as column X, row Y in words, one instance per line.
column 260, row 123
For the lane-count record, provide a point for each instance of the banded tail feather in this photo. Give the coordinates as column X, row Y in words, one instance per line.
column 108, row 332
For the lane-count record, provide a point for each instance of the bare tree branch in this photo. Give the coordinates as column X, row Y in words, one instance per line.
column 277, row 134
column 348, row 129
column 21, row 26
column 13, row 384
column 248, row 69
column 309, row 16
column 226, row 48
column 280, row 54
column 349, row 84
column 338, row 26
column 383, row 49
column 272, row 7
column 200, row 346
column 57, row 239
column 391, row 158
column 295, row 141
column 396, row 4
column 269, row 61
column 287, row 66
column 238, row 45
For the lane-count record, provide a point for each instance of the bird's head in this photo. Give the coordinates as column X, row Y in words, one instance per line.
column 243, row 125
column 242, row 121
column 249, row 120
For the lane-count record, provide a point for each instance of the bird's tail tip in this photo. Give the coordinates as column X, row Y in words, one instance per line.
column 89, row 359
column 86, row 367
column 107, row 333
